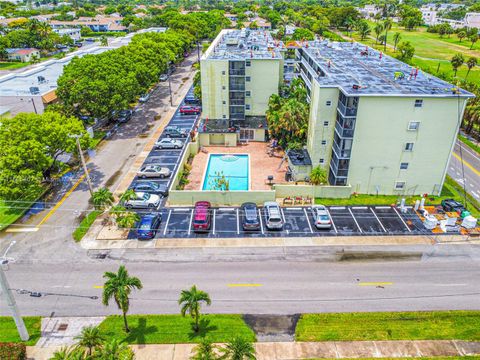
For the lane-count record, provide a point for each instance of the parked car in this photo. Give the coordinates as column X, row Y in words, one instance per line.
column 175, row 132
column 144, row 98
column 152, row 171
column 201, row 216
column 148, row 226
column 144, row 201
column 191, row 100
column 90, row 40
column 250, row 219
column 123, row 116
column 163, row 77
column 321, row 217
column 168, row 143
column 150, row 187
column 171, row 69
column 78, row 44
column 190, row 110
column 452, row 205
column 273, row 216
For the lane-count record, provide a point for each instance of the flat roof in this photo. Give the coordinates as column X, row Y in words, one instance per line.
column 243, row 45
column 362, row 71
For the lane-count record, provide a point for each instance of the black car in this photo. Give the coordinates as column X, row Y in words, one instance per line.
column 450, row 205
column 124, row 115
column 250, row 219
column 191, row 100
column 150, row 187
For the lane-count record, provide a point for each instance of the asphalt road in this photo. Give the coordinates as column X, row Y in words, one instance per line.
column 279, row 287
column 471, row 169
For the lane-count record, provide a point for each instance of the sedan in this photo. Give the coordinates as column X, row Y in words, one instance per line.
column 153, row 171
column 201, row 216
column 250, row 220
column 168, row 143
column 148, row 226
column 144, row 98
column 143, row 201
column 321, row 217
column 190, row 110
column 150, row 187
column 124, row 116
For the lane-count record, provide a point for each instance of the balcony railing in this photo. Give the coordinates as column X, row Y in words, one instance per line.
column 341, row 154
column 237, row 87
column 346, row 111
column 336, row 171
column 342, row 132
column 236, row 72
column 237, row 102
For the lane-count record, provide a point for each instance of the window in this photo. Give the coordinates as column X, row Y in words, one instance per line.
column 418, row 103
column 325, row 123
column 247, row 134
column 328, row 103
column 399, row 185
column 223, row 87
column 223, row 72
column 224, row 102
column 324, row 142
column 322, row 161
column 408, row 147
column 247, row 93
column 224, row 116
column 247, row 106
column 247, row 78
column 248, row 63
column 403, row 166
column 413, row 125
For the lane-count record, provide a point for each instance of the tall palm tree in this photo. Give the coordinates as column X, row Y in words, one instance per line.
column 90, row 338
column 471, row 63
column 128, row 219
column 190, row 300
column 238, row 349
column 115, row 350
column 396, row 39
column 457, row 61
column 378, row 29
column 102, row 198
column 363, row 29
column 387, row 25
column 68, row 353
column 118, row 287
column 205, row 350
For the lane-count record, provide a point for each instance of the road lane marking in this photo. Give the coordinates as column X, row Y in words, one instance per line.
column 98, row 286
column 375, row 283
column 465, row 148
column 62, row 200
column 238, row 223
column 467, row 164
column 214, row 212
column 22, row 229
column 261, row 222
column 244, row 285
column 308, row 220
column 403, row 221
column 353, row 216
column 190, row 223
column 168, row 219
column 376, row 217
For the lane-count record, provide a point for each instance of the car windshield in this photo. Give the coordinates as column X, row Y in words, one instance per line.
column 274, row 220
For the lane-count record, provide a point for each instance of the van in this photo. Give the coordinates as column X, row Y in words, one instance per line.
column 273, row 216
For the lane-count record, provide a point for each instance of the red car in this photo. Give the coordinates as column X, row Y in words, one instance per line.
column 190, row 110
column 201, row 216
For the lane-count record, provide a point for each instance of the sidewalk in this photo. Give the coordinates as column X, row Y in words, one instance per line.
column 305, row 350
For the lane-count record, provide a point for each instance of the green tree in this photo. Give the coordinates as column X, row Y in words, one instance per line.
column 128, row 195
column 103, row 40
column 378, row 29
column 363, row 29
column 457, row 61
column 387, row 25
column 115, row 350
column 89, row 339
column 190, row 301
column 318, row 175
column 128, row 219
column 119, row 286
column 406, row 51
column 205, row 350
column 471, row 63
column 303, row 34
column 473, row 39
column 102, row 198
column 461, row 35
column 396, row 39
column 238, row 349
column 68, row 353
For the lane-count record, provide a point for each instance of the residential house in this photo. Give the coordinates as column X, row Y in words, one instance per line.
column 22, row 55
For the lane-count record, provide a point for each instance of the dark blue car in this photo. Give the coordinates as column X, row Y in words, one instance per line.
column 148, row 226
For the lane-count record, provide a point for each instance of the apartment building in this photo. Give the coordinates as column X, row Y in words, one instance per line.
column 375, row 123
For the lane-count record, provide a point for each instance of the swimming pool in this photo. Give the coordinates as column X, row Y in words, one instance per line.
column 234, row 167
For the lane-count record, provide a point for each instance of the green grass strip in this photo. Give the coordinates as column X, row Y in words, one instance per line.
column 85, row 224
column 9, row 333
column 469, row 143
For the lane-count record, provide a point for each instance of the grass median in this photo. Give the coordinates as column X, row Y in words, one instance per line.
column 171, row 329
column 85, row 224
column 9, row 333
column 434, row 325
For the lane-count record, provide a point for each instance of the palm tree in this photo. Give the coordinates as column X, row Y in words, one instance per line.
column 89, row 339
column 473, row 39
column 103, row 41
column 457, row 61
column 387, row 25
column 205, row 350
column 461, row 35
column 190, row 301
column 318, row 175
column 471, row 63
column 115, row 350
column 396, row 39
column 128, row 219
column 119, row 286
column 102, row 198
column 238, row 349
column 128, row 195
column 378, row 29
column 68, row 353
column 363, row 29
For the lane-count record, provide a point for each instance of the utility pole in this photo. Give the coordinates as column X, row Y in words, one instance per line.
column 170, row 89
column 84, row 165
column 22, row 330
column 198, row 52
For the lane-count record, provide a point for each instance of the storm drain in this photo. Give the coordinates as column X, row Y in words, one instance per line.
column 273, row 327
column 62, row 327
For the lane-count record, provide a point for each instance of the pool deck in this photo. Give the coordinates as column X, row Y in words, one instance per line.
column 261, row 165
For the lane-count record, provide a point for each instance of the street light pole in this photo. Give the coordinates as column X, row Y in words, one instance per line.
column 198, row 52
column 84, row 164
column 170, row 89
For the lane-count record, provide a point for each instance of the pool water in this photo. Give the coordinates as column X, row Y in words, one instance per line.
column 233, row 167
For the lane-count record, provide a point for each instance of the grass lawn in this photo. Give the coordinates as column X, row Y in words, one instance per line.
column 8, row 330
column 435, row 325
column 85, row 224
column 9, row 214
column 169, row 329
column 469, row 143
column 12, row 65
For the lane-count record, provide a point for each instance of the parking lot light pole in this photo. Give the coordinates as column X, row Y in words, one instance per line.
column 84, row 164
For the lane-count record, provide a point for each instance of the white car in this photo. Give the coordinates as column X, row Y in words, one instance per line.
column 152, row 171
column 321, row 217
column 168, row 143
column 144, row 98
column 273, row 216
column 143, row 200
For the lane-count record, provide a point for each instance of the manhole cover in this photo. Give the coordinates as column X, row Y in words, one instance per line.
column 62, row 327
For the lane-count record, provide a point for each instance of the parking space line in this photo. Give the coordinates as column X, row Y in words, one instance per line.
column 293, row 208
column 403, row 221
column 190, row 223
column 337, row 207
column 238, row 223
column 261, row 222
column 354, row 219
column 166, row 223
column 214, row 212
column 331, row 219
column 283, row 217
column 382, row 207
column 180, row 209
column 359, row 207
column 376, row 217
column 308, row 220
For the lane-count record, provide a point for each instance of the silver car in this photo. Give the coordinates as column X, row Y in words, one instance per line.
column 153, row 171
column 273, row 216
column 321, row 217
column 143, row 200
column 168, row 143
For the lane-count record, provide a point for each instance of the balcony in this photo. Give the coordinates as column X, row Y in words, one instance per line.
column 240, row 102
column 346, row 111
column 341, row 154
column 236, row 72
column 237, row 87
column 342, row 132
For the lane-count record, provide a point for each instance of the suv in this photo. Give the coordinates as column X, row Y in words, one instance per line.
column 190, row 110
column 250, row 220
column 273, row 216
column 124, row 115
column 201, row 216
column 191, row 99
column 175, row 132
column 321, row 217
column 452, row 205
column 143, row 200
column 150, row 187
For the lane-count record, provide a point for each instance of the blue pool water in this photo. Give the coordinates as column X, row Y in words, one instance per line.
column 233, row 167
